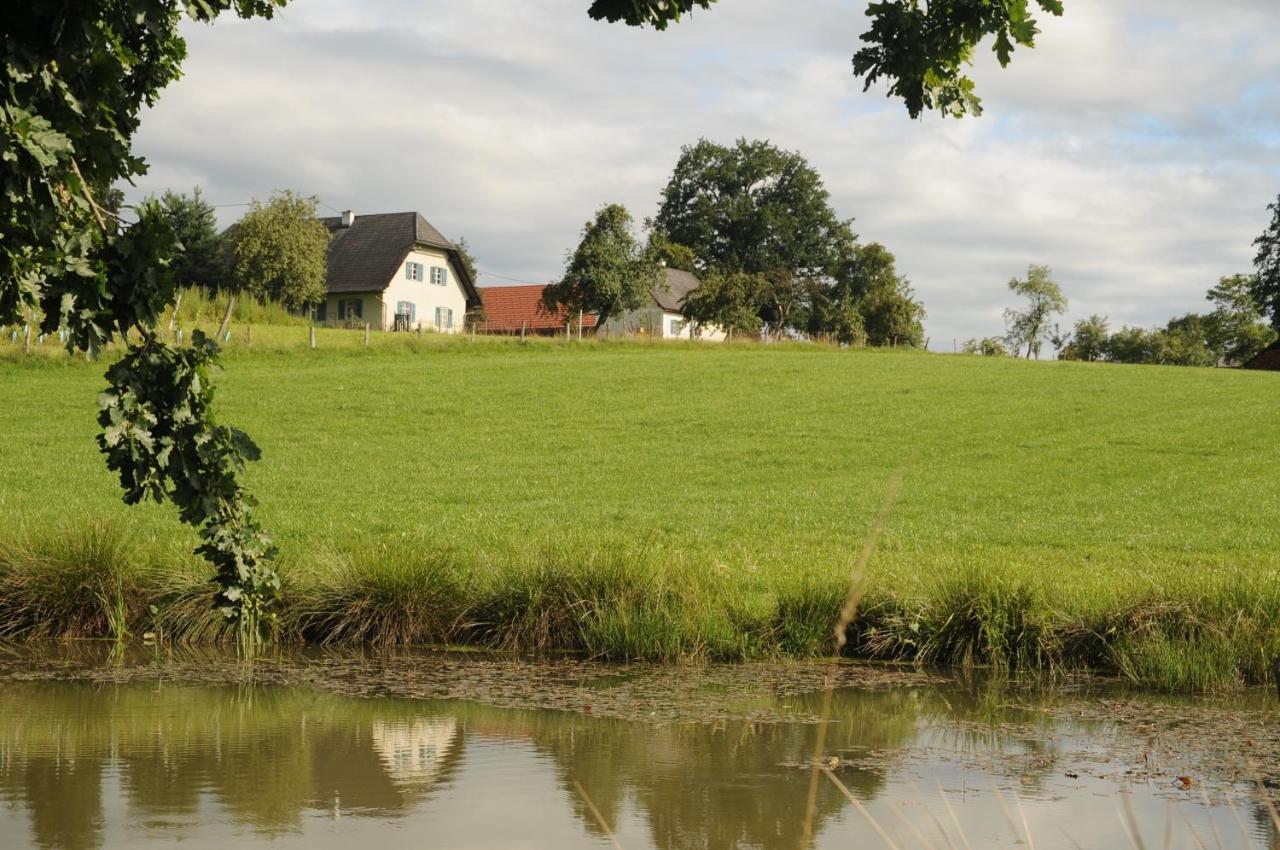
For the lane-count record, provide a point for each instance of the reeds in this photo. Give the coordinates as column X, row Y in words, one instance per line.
column 96, row 581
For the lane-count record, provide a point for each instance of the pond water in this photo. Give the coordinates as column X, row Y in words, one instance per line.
column 338, row 752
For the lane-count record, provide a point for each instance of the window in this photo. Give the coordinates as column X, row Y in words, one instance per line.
column 676, row 327
column 439, row 275
column 413, row 271
column 407, row 309
column 449, row 320
column 350, row 308
column 438, row 312
column 320, row 312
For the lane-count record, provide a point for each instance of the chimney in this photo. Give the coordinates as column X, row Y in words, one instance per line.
column 348, row 218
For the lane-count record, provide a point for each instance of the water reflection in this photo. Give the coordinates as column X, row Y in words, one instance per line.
column 84, row 766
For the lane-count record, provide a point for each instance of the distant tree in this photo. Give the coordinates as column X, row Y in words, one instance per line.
column 1184, row 342
column 990, row 346
column 867, row 300
column 608, row 273
column 1131, row 345
column 1029, row 326
column 279, row 250
column 753, row 208
column 194, row 223
column 1088, row 339
column 728, row 301
column 1235, row 329
column 1266, row 285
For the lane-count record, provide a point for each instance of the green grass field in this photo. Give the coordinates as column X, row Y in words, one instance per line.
column 664, row 501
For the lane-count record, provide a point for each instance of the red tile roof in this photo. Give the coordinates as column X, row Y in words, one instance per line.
column 508, row 308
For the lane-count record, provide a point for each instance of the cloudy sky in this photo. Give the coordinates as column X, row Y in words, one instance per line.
column 1134, row 151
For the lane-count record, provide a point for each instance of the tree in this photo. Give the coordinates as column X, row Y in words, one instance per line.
column 196, row 228
column 729, row 301
column 77, row 78
column 1266, row 285
column 751, row 208
column 920, row 49
column 1235, row 328
column 609, row 272
column 279, row 250
column 867, row 301
column 1088, row 339
column 1131, row 345
column 465, row 257
column 1044, row 298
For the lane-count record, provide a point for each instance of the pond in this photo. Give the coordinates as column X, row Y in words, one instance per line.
column 430, row 750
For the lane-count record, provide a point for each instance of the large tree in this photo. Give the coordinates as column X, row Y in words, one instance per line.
column 609, row 272
column 752, row 207
column 1029, row 326
column 279, row 250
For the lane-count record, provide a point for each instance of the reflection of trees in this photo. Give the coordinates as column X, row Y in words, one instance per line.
column 714, row 785
column 266, row 754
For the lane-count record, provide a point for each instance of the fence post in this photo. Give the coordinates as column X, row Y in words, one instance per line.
column 522, row 326
column 366, row 336
column 225, row 327
column 248, row 335
column 312, row 335
column 26, row 339
column 579, row 326
column 173, row 319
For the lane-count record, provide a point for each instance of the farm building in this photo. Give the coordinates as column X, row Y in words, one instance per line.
column 1268, row 358
column 519, row 309
column 394, row 271
column 662, row 317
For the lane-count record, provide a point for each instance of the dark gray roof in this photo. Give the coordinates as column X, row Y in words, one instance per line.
column 366, row 256
column 679, row 284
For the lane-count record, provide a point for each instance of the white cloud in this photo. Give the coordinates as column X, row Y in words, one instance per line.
column 1133, row 150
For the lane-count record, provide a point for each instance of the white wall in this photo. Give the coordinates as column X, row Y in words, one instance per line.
column 424, row 295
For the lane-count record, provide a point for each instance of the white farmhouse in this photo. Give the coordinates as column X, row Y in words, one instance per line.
column 394, row 271
column 662, row 317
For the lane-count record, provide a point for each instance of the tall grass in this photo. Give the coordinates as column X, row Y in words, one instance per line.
column 95, row 582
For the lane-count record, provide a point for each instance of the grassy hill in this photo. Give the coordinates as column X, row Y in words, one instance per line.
column 659, row 501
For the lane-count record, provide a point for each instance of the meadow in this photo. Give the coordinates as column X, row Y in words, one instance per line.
column 633, row 500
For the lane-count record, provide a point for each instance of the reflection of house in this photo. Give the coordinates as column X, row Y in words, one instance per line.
column 414, row 751
column 519, row 309
column 395, row 271
column 662, row 317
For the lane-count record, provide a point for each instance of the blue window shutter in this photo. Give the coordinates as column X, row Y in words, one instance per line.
column 437, row 317
column 450, row 325
column 413, row 312
column 444, row 277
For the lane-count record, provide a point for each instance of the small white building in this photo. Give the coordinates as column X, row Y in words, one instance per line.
column 662, row 317
column 394, row 271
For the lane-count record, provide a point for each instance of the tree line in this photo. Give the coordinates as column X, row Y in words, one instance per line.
column 1244, row 320
column 755, row 223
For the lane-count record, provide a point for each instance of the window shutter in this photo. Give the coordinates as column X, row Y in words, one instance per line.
column 450, row 325
column 413, row 311
column 437, row 318
column 444, row 278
